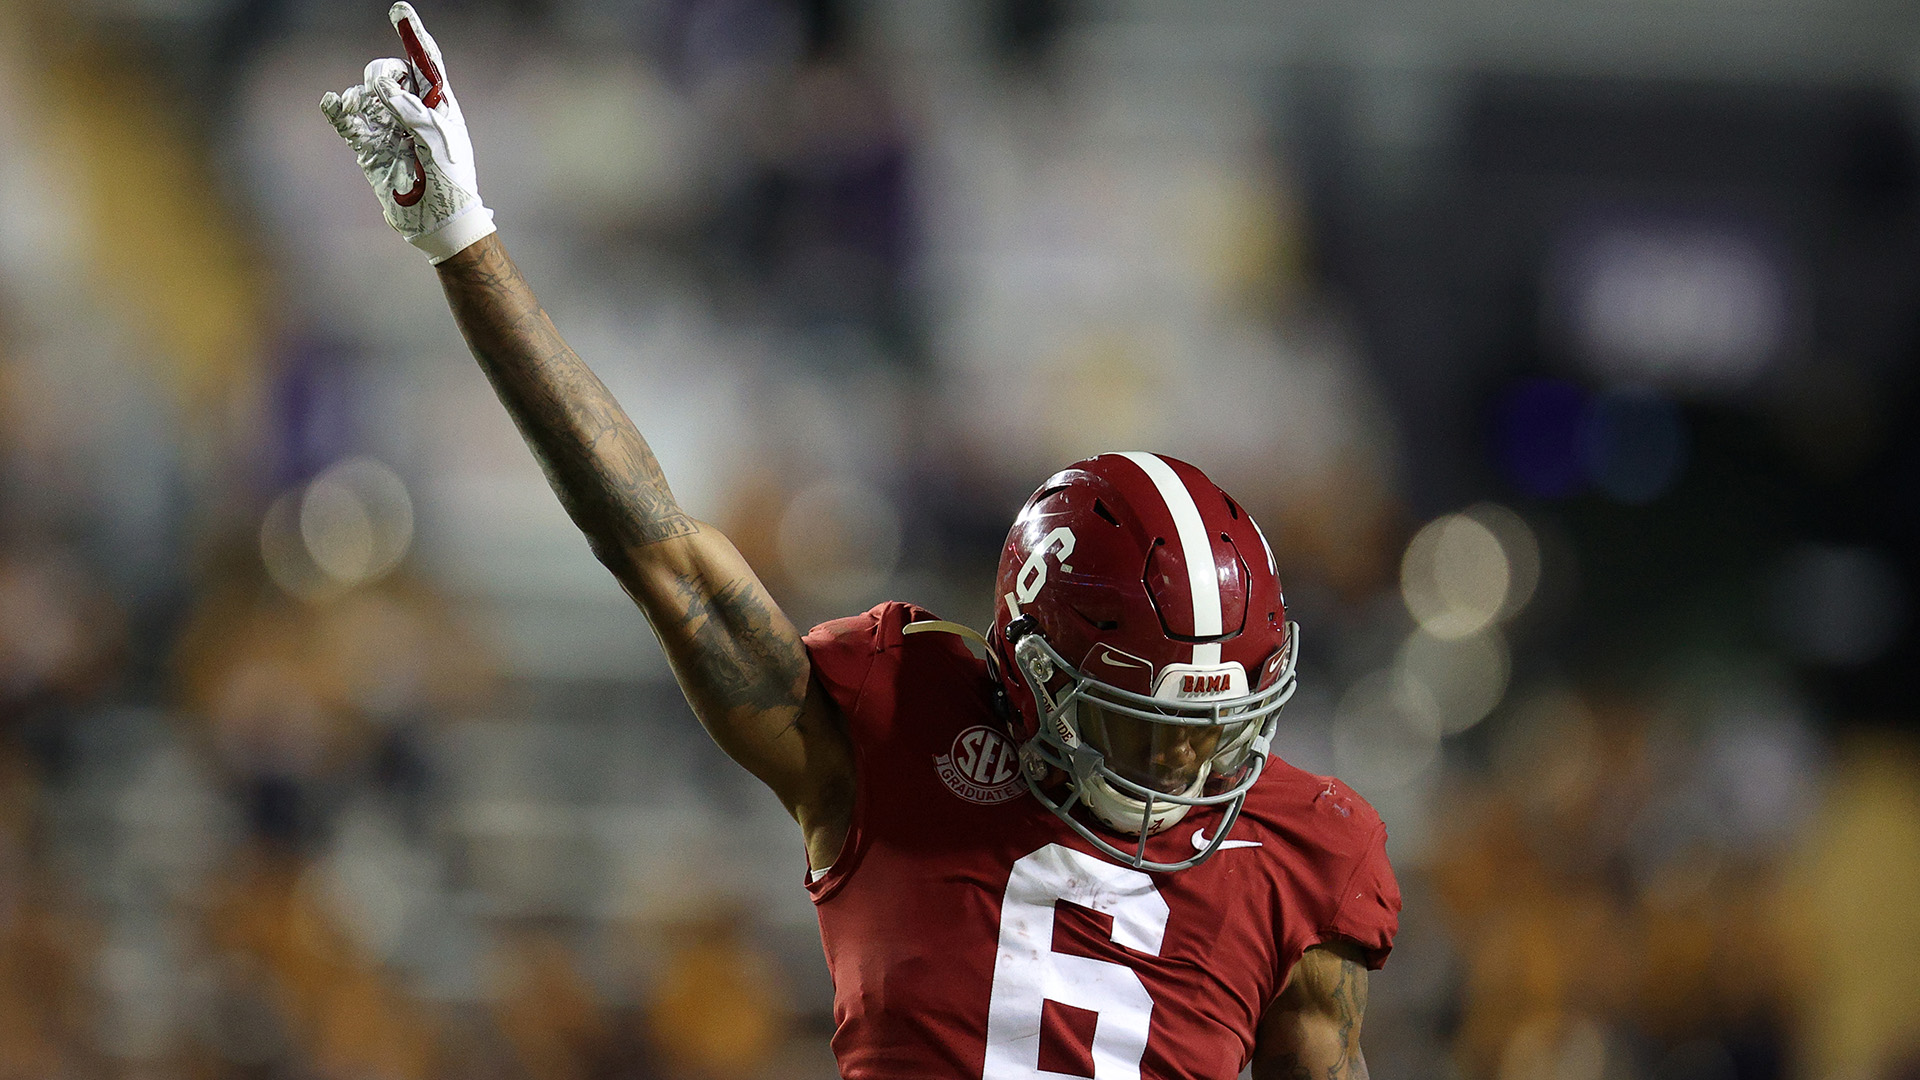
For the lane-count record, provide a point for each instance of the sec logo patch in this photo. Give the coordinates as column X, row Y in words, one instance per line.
column 983, row 767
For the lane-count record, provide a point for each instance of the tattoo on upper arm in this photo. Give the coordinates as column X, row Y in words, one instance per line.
column 743, row 655
column 1335, row 995
column 599, row 465
column 1349, row 1002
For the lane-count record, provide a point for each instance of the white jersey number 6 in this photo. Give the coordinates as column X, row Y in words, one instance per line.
column 1027, row 972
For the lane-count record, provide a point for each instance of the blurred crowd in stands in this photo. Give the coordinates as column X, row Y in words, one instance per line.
column 1577, row 403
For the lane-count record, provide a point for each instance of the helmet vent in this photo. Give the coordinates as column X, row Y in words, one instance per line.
column 1232, row 507
column 1098, row 624
column 1101, row 509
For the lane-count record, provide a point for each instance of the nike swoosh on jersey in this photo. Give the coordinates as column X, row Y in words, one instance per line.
column 1200, row 841
column 1107, row 658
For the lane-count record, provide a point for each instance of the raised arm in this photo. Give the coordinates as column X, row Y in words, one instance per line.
column 735, row 653
column 1312, row 1031
column 737, row 657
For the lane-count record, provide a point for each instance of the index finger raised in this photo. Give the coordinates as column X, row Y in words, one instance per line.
column 422, row 52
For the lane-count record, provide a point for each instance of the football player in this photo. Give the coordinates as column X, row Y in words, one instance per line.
column 1074, row 857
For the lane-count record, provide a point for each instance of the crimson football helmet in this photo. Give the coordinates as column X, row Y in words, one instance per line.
column 1143, row 645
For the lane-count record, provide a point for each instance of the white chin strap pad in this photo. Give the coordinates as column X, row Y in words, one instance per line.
column 1122, row 812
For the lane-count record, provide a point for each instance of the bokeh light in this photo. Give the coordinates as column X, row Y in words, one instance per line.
column 1463, row 571
column 357, row 520
column 284, row 551
column 1455, row 577
column 1520, row 545
column 1699, row 304
column 1463, row 678
column 349, row 526
column 1386, row 732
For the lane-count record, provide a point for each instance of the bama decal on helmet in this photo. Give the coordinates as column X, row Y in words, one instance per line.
column 982, row 767
column 1195, row 685
column 1033, row 572
column 1184, row 682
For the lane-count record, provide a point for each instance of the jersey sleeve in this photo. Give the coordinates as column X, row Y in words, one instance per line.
column 845, row 654
column 842, row 653
column 1368, row 911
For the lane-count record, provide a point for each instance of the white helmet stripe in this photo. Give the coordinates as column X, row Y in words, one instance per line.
column 1203, row 580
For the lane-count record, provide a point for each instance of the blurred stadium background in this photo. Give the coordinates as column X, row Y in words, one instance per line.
column 1566, row 351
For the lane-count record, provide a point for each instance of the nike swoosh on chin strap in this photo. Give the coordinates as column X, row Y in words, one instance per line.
column 1200, row 841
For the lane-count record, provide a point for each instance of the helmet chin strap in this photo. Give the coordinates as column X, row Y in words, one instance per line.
column 1137, row 858
column 960, row 630
column 972, row 637
column 1126, row 814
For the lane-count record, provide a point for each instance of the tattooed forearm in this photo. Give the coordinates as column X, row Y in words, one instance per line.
column 742, row 653
column 603, row 471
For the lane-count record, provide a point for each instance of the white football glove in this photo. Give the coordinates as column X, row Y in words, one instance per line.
column 417, row 155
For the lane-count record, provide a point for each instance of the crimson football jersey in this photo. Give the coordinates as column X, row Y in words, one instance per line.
column 971, row 934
